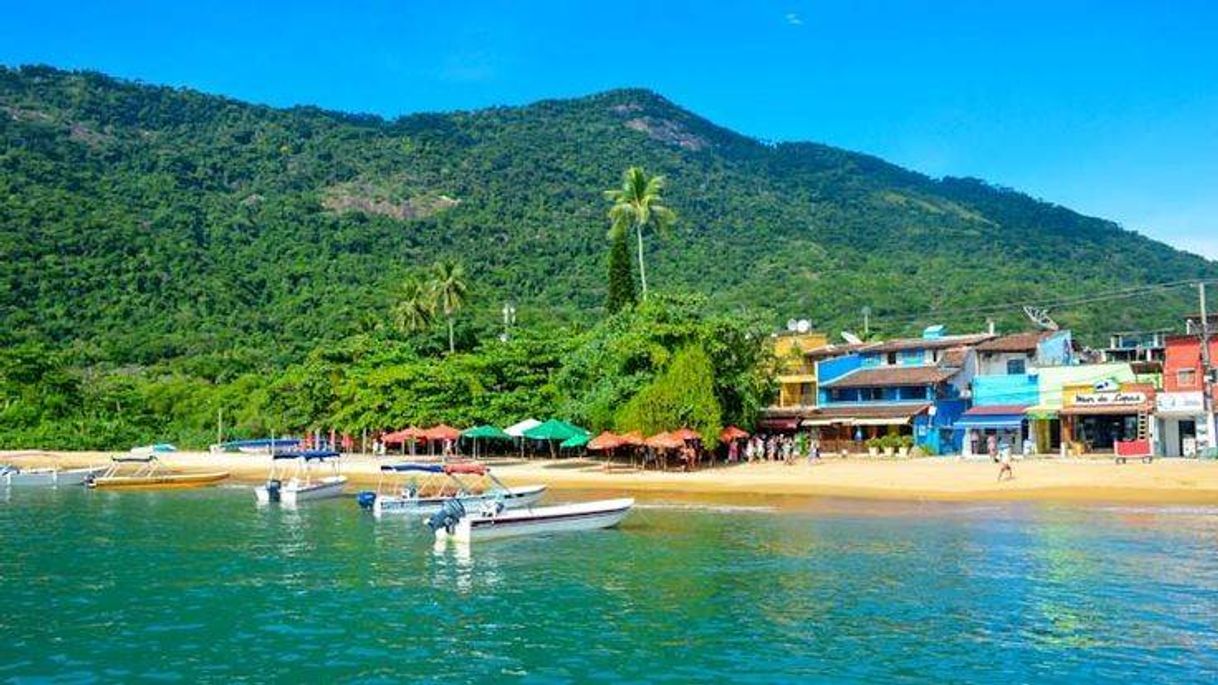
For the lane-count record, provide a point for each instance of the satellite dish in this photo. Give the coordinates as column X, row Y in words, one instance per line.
column 851, row 338
column 1040, row 317
column 803, row 325
column 791, row 324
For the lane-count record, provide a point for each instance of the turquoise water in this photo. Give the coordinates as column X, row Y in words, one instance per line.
column 204, row 586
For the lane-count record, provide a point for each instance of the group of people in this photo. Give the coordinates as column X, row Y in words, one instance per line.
column 778, row 447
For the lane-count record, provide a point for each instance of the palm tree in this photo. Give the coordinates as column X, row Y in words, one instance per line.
column 415, row 307
column 639, row 203
column 448, row 288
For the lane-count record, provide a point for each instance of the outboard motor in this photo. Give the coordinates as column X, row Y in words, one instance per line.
column 366, row 499
column 450, row 513
column 273, row 487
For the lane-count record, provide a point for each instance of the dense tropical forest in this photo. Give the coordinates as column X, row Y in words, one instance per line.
column 170, row 256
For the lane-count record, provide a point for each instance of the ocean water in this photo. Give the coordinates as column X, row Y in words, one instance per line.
column 203, row 586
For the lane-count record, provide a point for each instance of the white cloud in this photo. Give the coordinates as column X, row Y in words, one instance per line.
column 794, row 19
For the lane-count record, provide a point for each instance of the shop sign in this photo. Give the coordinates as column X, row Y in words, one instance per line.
column 1185, row 403
column 1091, row 399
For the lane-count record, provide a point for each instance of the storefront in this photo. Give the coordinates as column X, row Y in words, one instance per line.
column 1095, row 419
column 1006, row 425
column 848, row 428
column 1181, row 420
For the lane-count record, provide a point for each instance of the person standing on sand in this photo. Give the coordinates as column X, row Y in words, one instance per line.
column 991, row 447
column 1005, row 461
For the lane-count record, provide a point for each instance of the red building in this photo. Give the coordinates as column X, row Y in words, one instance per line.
column 1184, row 427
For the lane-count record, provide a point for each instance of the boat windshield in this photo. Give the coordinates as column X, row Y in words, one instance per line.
column 405, row 468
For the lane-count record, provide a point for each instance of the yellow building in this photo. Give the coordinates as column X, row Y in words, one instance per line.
column 796, row 372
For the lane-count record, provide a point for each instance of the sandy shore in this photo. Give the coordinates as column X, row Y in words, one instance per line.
column 941, row 479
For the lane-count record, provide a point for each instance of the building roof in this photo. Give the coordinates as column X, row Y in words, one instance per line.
column 1015, row 342
column 953, row 358
column 867, row 415
column 834, row 350
column 930, row 343
column 892, row 376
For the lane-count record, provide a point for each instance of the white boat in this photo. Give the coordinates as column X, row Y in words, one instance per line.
column 442, row 482
column 47, row 477
column 489, row 521
column 303, row 486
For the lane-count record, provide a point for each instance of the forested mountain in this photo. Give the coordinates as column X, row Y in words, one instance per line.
column 141, row 223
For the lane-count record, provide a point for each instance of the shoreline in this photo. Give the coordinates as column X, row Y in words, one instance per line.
column 1165, row 481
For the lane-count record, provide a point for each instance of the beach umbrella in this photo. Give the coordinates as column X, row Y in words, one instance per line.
column 607, row 440
column 442, row 432
column 686, row 434
column 633, row 438
column 517, row 430
column 483, row 432
column 574, row 441
column 664, row 441
column 732, row 433
column 553, row 431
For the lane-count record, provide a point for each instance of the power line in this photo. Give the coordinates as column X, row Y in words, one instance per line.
column 1119, row 294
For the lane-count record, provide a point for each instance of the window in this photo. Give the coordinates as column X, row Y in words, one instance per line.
column 1017, row 367
column 1186, row 378
column 892, row 358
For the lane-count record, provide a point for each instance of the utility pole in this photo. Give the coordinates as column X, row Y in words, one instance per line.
column 220, row 425
column 866, row 322
column 1207, row 371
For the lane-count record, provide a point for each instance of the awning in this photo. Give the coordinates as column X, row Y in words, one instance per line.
column 1106, row 410
column 881, row 421
column 779, row 424
column 1006, row 421
column 827, row 422
column 1041, row 412
column 866, row 415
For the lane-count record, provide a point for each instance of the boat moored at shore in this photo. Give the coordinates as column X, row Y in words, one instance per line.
column 47, row 477
column 489, row 521
column 303, row 485
column 440, row 483
column 149, row 476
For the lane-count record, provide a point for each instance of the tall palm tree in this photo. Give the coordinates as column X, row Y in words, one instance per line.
column 638, row 204
column 449, row 288
column 415, row 307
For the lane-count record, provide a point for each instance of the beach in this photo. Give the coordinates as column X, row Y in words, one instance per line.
column 1165, row 481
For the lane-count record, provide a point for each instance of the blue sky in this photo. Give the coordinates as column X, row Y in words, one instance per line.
column 1109, row 107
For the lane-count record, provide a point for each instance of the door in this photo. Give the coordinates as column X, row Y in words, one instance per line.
column 1188, row 433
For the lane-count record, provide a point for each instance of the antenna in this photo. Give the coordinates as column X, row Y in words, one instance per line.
column 1040, row 317
column 791, row 324
column 803, row 325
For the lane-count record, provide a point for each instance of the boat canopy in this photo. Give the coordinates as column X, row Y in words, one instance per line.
column 405, row 468
column 260, row 443
column 472, row 468
column 307, row 455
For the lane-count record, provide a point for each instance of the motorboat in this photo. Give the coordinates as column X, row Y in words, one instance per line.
column 148, row 475
column 48, row 476
column 303, row 485
column 489, row 520
column 429, row 485
column 258, row 446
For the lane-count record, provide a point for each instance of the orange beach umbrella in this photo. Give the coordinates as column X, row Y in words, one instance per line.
column 607, row 440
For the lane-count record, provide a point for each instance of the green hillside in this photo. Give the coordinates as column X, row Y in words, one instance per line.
column 143, row 222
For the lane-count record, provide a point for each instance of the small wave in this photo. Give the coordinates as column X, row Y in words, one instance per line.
column 716, row 508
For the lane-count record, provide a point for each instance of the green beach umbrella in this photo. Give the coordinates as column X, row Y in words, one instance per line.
column 485, row 432
column 555, row 431
column 575, row 441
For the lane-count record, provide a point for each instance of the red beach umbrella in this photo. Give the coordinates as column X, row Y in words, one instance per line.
column 686, row 434
column 605, row 441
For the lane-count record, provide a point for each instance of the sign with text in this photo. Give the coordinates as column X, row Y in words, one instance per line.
column 1122, row 399
column 1186, row 403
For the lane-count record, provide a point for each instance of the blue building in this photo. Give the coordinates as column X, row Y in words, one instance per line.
column 910, row 386
column 1007, row 386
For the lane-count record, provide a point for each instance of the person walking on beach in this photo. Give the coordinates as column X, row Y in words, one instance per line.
column 1005, row 466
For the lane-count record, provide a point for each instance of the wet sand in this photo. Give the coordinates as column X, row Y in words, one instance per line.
column 1166, row 481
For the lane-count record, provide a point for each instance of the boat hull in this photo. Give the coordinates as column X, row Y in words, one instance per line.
column 294, row 493
column 565, row 518
column 174, row 481
column 514, row 498
column 50, row 477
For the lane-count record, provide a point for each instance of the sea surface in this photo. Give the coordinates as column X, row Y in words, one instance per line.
column 204, row 586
